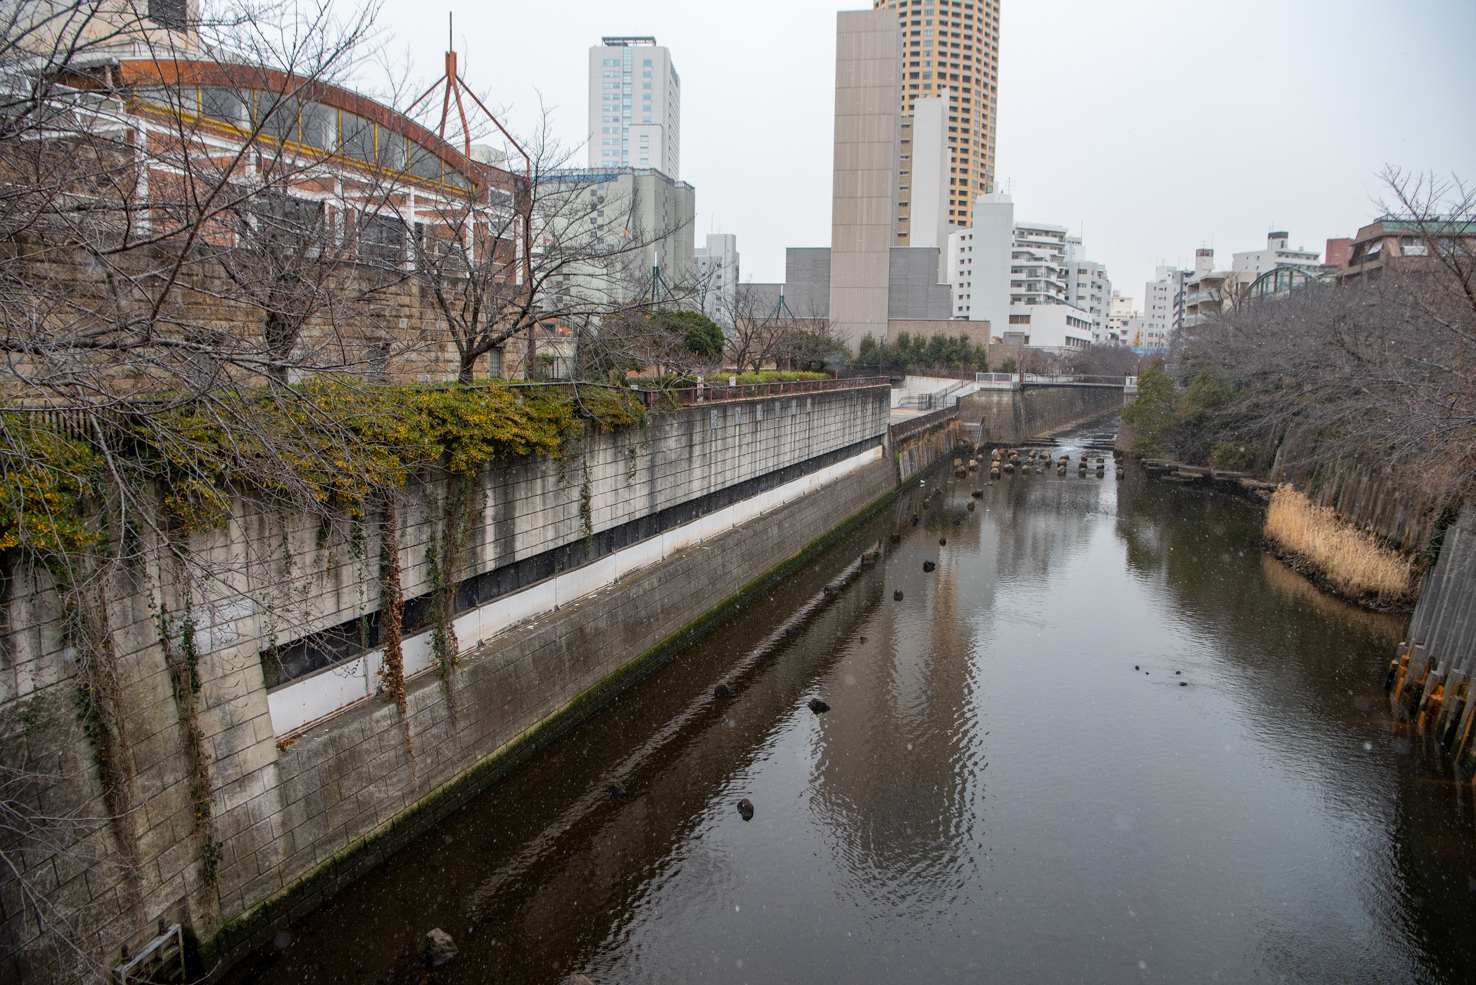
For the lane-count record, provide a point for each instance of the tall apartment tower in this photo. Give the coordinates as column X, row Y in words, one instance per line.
column 635, row 103
column 950, row 51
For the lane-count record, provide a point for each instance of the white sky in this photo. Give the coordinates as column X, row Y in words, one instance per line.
column 1155, row 128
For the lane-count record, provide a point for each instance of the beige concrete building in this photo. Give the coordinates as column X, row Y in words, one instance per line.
column 867, row 130
column 950, row 51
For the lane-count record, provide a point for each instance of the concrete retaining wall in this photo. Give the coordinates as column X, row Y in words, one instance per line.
column 921, row 452
column 349, row 785
column 304, row 797
column 1009, row 417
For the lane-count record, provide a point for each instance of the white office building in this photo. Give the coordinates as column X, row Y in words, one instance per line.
column 922, row 176
column 979, row 263
column 1276, row 254
column 1089, row 288
column 635, row 102
column 1163, row 306
column 1022, row 279
column 717, row 277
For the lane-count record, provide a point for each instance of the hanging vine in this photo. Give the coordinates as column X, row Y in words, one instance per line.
column 443, row 555
column 392, row 603
column 100, row 710
column 586, row 511
column 182, row 659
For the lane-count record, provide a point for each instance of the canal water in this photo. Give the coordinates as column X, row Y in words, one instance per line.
column 1108, row 739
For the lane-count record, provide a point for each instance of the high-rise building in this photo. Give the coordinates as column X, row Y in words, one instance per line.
column 717, row 277
column 1163, row 306
column 1024, row 279
column 864, row 183
column 950, row 52
column 979, row 263
column 599, row 211
column 1089, row 288
column 635, row 102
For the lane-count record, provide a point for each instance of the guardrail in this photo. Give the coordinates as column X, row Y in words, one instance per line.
column 935, row 400
column 919, row 424
column 997, row 380
column 705, row 392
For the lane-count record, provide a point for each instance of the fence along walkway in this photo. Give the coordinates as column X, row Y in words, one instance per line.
column 1431, row 676
column 706, row 392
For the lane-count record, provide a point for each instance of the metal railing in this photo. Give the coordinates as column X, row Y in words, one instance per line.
column 935, row 400
column 995, row 380
column 919, row 424
column 708, row 392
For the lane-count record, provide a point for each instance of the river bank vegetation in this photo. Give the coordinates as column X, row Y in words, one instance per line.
column 1357, row 392
column 1352, row 562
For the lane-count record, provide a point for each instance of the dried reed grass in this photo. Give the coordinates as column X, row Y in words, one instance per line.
column 1350, row 559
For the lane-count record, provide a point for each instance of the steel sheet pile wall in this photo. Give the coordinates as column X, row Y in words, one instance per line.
column 1431, row 677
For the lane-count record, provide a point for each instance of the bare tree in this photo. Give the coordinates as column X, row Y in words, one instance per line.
column 582, row 270
column 1375, row 373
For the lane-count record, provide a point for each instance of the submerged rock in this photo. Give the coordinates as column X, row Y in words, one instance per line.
column 617, row 789
column 745, row 809
column 723, row 691
column 897, row 595
column 439, row 948
column 818, row 707
column 896, row 538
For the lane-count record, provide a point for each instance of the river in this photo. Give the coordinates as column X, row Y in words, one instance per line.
column 1107, row 740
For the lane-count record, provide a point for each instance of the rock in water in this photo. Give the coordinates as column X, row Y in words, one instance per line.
column 440, row 949
column 723, row 691
column 915, row 520
column 971, row 506
column 745, row 809
column 579, row 980
column 897, row 595
column 928, row 565
column 896, row 538
column 617, row 789
column 818, row 707
column 942, row 541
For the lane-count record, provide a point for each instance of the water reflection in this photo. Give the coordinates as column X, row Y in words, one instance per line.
column 996, row 794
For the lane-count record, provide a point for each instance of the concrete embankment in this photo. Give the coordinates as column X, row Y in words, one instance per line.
column 1013, row 415
column 576, row 577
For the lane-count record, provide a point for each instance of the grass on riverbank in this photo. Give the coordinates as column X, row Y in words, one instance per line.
column 1349, row 559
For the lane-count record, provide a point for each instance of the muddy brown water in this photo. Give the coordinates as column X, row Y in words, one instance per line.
column 1106, row 740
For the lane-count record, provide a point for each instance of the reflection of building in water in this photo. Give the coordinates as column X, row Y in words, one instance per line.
column 908, row 810
column 912, row 766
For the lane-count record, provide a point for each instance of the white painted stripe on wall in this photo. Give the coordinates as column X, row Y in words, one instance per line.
column 335, row 688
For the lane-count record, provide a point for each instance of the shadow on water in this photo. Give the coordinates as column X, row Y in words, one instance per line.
column 1106, row 739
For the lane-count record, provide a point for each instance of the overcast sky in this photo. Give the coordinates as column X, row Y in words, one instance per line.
column 1154, row 128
